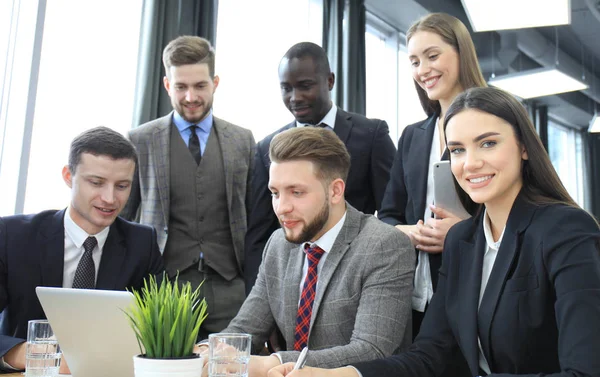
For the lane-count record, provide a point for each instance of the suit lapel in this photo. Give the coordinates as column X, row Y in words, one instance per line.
column 518, row 220
column 161, row 152
column 340, row 247
column 292, row 277
column 471, row 262
column 419, row 164
column 113, row 257
column 343, row 125
column 228, row 154
column 52, row 249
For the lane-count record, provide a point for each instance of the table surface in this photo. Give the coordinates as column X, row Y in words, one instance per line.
column 19, row 374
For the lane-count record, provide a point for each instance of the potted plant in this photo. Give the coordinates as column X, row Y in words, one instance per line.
column 166, row 320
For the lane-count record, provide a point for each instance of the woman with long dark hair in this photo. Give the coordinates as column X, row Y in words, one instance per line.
column 519, row 287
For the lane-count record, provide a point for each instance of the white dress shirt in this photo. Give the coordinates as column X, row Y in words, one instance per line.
column 423, row 287
column 326, row 243
column 329, row 119
column 74, row 238
column 488, row 262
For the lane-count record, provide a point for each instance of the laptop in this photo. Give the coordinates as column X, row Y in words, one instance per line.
column 93, row 331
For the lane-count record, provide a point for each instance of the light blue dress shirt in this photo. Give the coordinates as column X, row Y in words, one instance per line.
column 203, row 130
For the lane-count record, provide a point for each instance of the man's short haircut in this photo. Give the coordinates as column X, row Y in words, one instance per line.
column 188, row 49
column 313, row 51
column 100, row 141
column 320, row 146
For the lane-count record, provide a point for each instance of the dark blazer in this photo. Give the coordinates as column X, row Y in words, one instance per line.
column 540, row 313
column 406, row 193
column 32, row 254
column 372, row 153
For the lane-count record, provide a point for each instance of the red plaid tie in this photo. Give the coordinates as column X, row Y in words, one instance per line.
column 313, row 254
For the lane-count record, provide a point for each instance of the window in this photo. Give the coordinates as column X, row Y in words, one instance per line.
column 566, row 150
column 248, row 51
column 381, row 44
column 391, row 94
column 18, row 36
column 87, row 76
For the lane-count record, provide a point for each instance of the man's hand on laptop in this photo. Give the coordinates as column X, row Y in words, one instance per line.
column 15, row 357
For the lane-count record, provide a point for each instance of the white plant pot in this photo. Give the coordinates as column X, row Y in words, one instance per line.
column 145, row 367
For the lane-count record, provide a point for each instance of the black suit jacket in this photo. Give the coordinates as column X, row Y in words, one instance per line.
column 406, row 193
column 372, row 153
column 540, row 313
column 32, row 254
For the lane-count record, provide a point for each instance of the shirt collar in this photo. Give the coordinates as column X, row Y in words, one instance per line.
column 327, row 240
column 487, row 231
column 78, row 235
column 329, row 119
column 182, row 124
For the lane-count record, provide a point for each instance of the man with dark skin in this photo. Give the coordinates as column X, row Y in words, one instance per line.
column 306, row 82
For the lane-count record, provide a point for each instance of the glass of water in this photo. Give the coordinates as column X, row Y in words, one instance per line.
column 229, row 355
column 43, row 354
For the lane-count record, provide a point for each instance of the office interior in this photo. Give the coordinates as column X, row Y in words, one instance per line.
column 69, row 65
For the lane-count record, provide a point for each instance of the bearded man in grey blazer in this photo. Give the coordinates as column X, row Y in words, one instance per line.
column 192, row 183
column 332, row 279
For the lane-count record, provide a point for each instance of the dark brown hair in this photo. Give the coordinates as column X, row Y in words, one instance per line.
column 320, row 146
column 541, row 184
column 188, row 49
column 454, row 33
column 100, row 141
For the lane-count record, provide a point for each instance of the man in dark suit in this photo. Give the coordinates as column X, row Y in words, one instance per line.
column 306, row 82
column 83, row 246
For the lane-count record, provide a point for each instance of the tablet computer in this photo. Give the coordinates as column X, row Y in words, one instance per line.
column 444, row 191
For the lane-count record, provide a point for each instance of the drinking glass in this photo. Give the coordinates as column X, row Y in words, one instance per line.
column 229, row 355
column 42, row 358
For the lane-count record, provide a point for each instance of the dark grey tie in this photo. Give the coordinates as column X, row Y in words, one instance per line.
column 194, row 144
column 85, row 275
column 321, row 125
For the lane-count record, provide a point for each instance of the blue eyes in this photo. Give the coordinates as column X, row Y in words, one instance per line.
column 485, row 145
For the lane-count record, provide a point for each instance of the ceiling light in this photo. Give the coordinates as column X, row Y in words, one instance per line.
column 537, row 83
column 486, row 15
column 595, row 124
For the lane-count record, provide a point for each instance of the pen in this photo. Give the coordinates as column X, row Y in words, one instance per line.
column 301, row 359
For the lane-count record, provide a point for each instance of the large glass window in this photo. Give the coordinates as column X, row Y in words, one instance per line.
column 391, row 93
column 60, row 75
column 18, row 36
column 248, row 51
column 381, row 45
column 566, row 150
column 86, row 79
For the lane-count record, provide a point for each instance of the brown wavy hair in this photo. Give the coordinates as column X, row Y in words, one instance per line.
column 455, row 33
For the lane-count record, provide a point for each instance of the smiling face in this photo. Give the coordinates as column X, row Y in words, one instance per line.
column 435, row 66
column 486, row 158
column 300, row 201
column 305, row 90
column 100, row 188
column 191, row 90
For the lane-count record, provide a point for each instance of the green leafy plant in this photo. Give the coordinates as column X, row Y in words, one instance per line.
column 166, row 318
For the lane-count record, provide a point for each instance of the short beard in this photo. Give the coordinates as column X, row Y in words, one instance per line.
column 312, row 228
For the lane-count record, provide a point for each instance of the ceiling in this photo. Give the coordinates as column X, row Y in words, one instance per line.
column 516, row 50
